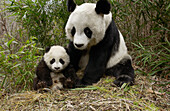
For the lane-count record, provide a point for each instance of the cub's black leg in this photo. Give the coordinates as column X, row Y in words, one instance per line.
column 123, row 72
column 43, row 73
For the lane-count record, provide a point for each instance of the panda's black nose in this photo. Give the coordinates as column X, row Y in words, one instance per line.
column 79, row 45
column 57, row 68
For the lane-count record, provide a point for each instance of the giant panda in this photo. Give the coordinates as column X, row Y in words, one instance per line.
column 54, row 71
column 96, row 45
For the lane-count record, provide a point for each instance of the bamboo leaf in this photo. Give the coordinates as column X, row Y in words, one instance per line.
column 9, row 42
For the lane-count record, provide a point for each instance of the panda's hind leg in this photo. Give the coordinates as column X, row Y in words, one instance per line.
column 123, row 71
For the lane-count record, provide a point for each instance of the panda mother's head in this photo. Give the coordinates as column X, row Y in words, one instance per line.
column 87, row 23
column 56, row 58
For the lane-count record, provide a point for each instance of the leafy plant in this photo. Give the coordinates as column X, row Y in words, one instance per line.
column 43, row 19
column 156, row 61
column 18, row 68
column 145, row 26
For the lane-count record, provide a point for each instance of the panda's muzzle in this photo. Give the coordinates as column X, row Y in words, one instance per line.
column 79, row 45
column 57, row 68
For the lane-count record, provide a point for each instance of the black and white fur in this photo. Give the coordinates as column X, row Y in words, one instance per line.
column 54, row 70
column 96, row 45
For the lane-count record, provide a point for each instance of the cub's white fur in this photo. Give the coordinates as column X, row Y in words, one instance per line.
column 56, row 52
column 56, row 81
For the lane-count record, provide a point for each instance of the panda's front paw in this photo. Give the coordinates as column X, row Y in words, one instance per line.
column 124, row 79
column 80, row 83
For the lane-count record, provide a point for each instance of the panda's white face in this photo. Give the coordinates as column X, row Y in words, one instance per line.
column 56, row 58
column 85, row 27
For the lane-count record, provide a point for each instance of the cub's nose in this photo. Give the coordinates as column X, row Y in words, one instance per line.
column 57, row 68
column 79, row 45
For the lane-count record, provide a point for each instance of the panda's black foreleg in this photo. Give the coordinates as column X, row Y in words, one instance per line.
column 92, row 76
column 96, row 66
column 75, row 55
column 123, row 71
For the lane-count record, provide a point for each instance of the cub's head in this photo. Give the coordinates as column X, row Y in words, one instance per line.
column 87, row 23
column 56, row 58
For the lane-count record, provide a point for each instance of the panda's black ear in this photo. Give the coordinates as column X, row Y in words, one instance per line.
column 103, row 7
column 71, row 5
column 47, row 49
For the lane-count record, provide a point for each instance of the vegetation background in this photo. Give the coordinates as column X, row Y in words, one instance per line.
column 28, row 26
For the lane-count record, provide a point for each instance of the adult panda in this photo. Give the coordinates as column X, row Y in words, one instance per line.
column 96, row 45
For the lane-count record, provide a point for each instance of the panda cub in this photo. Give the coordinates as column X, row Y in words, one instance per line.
column 96, row 45
column 54, row 70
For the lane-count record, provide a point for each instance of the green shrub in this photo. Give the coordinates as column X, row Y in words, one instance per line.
column 42, row 19
column 145, row 26
column 155, row 62
column 18, row 67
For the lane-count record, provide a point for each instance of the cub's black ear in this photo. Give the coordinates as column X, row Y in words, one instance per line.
column 47, row 49
column 103, row 7
column 71, row 5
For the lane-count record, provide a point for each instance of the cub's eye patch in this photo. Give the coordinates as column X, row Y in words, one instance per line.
column 73, row 31
column 52, row 61
column 88, row 32
column 61, row 61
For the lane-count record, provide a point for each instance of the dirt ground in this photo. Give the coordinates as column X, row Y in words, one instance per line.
column 146, row 94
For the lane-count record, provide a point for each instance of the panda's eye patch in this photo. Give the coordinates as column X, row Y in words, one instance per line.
column 52, row 61
column 73, row 31
column 61, row 61
column 88, row 32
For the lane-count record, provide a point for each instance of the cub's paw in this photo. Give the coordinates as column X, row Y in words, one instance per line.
column 41, row 84
column 124, row 79
column 69, row 83
column 38, row 84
